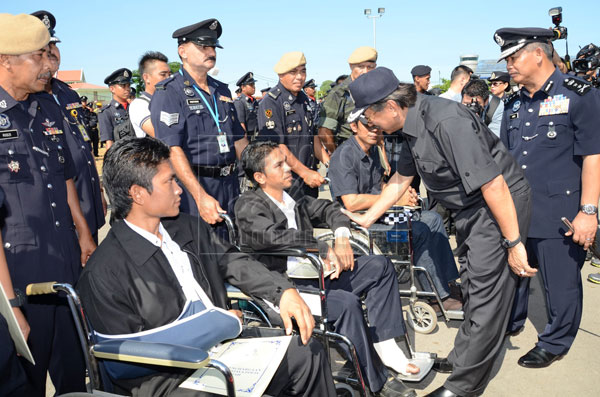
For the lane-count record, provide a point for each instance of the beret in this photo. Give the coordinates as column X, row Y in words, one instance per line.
column 420, row 70
column 512, row 40
column 289, row 61
column 203, row 33
column 21, row 34
column 363, row 54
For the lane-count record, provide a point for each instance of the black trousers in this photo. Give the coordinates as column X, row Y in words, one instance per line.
column 304, row 371
column 560, row 261
column 374, row 276
column 488, row 287
column 12, row 376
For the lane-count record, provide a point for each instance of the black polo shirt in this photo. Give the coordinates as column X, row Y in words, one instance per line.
column 454, row 153
column 352, row 171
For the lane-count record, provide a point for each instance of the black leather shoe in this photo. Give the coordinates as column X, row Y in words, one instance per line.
column 395, row 388
column 515, row 332
column 538, row 358
column 442, row 392
column 442, row 365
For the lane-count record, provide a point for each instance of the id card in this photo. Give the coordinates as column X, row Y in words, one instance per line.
column 223, row 146
column 84, row 133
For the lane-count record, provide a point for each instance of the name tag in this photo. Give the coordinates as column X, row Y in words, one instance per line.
column 9, row 134
column 223, row 146
column 514, row 116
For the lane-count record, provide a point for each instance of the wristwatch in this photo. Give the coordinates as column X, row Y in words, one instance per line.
column 506, row 243
column 589, row 209
column 19, row 300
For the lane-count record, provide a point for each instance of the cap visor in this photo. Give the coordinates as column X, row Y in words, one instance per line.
column 355, row 114
column 508, row 52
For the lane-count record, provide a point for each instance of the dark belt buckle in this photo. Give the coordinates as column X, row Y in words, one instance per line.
column 225, row 170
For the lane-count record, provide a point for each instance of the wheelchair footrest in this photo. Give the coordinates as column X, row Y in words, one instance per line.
column 422, row 360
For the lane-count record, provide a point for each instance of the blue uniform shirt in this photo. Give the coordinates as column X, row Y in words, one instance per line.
column 180, row 118
column 287, row 119
column 38, row 233
column 109, row 117
column 547, row 135
column 352, row 171
column 86, row 177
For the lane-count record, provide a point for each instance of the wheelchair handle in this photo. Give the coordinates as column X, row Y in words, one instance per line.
column 41, row 288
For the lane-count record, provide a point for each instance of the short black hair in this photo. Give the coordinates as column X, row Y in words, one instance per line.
column 254, row 155
column 128, row 162
column 459, row 71
column 150, row 57
column 476, row 88
column 405, row 96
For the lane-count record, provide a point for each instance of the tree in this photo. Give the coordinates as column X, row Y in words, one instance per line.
column 444, row 86
column 324, row 88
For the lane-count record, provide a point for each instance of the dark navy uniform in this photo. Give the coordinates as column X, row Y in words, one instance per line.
column 247, row 109
column 109, row 117
column 181, row 118
column 38, row 233
column 287, row 119
column 86, row 178
column 548, row 134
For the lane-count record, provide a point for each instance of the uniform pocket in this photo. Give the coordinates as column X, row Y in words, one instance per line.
column 14, row 165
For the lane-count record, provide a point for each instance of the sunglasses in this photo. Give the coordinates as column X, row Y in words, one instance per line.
column 364, row 121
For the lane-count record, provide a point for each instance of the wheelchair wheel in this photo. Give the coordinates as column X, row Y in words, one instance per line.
column 358, row 242
column 343, row 390
column 422, row 318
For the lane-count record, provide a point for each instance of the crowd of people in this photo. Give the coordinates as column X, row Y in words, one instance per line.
column 500, row 161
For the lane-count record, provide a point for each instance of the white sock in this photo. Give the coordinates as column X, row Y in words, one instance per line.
column 392, row 356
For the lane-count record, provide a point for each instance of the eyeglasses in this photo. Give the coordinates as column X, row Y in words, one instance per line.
column 495, row 83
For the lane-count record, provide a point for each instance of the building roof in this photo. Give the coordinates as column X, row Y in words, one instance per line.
column 87, row 86
column 485, row 67
column 71, row 76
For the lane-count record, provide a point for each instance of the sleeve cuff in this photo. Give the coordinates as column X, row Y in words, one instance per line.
column 474, row 180
column 341, row 232
column 329, row 123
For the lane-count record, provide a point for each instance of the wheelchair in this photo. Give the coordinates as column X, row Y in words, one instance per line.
column 94, row 352
column 422, row 359
column 395, row 242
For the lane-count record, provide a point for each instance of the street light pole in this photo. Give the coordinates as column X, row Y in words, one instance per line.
column 367, row 12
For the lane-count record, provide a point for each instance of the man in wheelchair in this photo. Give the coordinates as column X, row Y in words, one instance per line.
column 356, row 175
column 269, row 219
column 156, row 261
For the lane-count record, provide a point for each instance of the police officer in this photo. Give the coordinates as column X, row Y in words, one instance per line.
column 333, row 126
column 246, row 105
column 421, row 75
column 90, row 119
column 41, row 203
column 78, row 140
column 551, row 129
column 194, row 114
column 114, row 118
column 468, row 169
column 285, row 116
column 500, row 84
column 310, row 89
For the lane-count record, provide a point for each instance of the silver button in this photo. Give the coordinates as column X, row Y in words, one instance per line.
column 524, row 166
column 93, row 179
column 530, row 110
column 197, row 112
column 524, row 152
column 89, row 162
column 568, row 192
column 83, row 146
column 49, row 186
column 31, row 130
column 11, row 152
column 53, row 204
column 527, row 124
column 57, row 223
column 43, row 168
column 59, row 147
column 7, row 245
column 551, row 123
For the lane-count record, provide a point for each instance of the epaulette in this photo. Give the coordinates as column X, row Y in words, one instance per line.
column 161, row 85
column 510, row 97
column 274, row 93
column 580, row 87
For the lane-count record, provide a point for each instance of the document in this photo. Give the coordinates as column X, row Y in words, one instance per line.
column 252, row 362
column 13, row 327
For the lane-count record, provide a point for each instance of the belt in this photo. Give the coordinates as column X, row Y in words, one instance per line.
column 213, row 171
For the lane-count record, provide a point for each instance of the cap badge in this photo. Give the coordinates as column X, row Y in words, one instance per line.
column 493, row 76
column 3, row 104
column 498, row 39
column 4, row 121
column 126, row 73
column 46, row 21
column 14, row 166
column 250, row 75
column 213, row 25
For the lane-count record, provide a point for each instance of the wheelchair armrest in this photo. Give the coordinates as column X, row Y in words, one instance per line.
column 280, row 251
column 162, row 354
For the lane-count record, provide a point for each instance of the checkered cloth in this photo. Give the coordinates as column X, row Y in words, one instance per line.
column 394, row 218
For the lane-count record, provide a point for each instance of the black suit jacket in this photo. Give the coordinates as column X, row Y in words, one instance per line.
column 128, row 285
column 263, row 226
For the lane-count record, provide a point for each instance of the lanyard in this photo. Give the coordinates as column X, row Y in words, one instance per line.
column 215, row 113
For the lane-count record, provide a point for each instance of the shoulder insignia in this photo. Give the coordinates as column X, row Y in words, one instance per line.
column 162, row 84
column 275, row 93
column 578, row 86
column 268, row 113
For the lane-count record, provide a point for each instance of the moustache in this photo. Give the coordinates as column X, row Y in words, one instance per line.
column 46, row 75
column 211, row 58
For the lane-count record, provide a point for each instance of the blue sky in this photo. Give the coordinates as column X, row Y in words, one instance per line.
column 101, row 36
